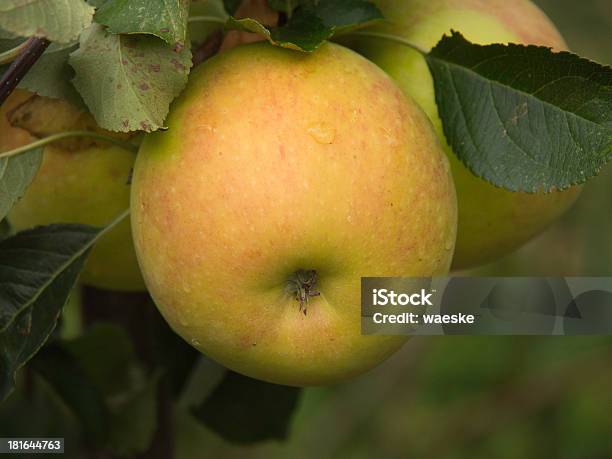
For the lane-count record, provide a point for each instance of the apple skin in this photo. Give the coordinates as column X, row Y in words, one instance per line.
column 87, row 186
column 275, row 162
column 492, row 222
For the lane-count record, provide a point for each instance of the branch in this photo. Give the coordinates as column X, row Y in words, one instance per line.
column 30, row 53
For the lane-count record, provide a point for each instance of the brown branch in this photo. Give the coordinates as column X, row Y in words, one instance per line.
column 28, row 56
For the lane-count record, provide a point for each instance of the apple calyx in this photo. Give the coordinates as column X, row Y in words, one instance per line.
column 303, row 285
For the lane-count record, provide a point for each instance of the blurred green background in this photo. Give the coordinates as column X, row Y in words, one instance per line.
column 441, row 397
column 478, row 397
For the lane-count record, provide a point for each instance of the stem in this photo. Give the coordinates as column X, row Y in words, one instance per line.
column 302, row 284
column 11, row 54
column 28, row 56
column 62, row 135
column 209, row 19
column 389, row 37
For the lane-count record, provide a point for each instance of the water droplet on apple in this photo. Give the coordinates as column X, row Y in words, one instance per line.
column 195, row 342
column 349, row 218
column 322, row 133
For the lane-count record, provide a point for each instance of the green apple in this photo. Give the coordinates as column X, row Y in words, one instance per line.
column 282, row 179
column 492, row 221
column 78, row 185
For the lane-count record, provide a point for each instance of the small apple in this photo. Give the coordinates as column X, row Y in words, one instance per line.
column 492, row 221
column 79, row 181
column 282, row 179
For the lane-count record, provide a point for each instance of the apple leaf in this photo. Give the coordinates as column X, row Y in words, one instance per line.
column 166, row 19
column 38, row 269
column 523, row 117
column 128, row 437
column 106, row 354
column 128, row 81
column 7, row 43
column 245, row 410
column 304, row 32
column 58, row 20
column 16, row 174
column 346, row 15
column 171, row 353
column 6, row 35
column 311, row 24
column 51, row 74
column 64, row 374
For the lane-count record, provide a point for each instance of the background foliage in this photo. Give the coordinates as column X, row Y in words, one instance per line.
column 441, row 398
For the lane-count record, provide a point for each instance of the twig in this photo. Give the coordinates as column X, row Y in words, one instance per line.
column 30, row 53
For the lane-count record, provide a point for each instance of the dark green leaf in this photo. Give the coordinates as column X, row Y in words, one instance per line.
column 134, row 419
column 231, row 5
column 16, row 174
column 346, row 15
column 65, row 375
column 172, row 353
column 245, row 410
column 166, row 19
column 304, row 32
column 106, row 354
column 305, row 29
column 311, row 23
column 5, row 229
column 523, row 117
column 38, row 269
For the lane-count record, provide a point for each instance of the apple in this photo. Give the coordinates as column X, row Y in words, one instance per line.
column 282, row 179
column 492, row 221
column 76, row 184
